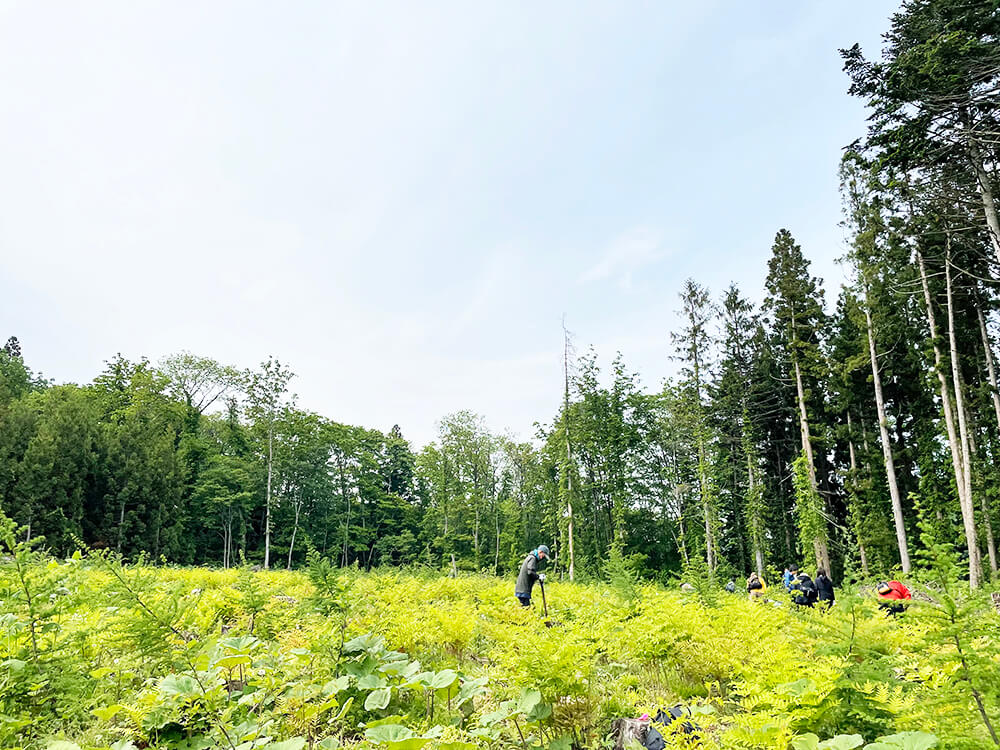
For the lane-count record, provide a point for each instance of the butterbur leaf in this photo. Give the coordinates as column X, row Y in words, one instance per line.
column 414, row 743
column 179, row 684
column 842, row 742
column 296, row 743
column 370, row 682
column 530, row 697
column 378, row 699
column 367, row 642
column 470, row 689
column 328, row 743
column 808, row 741
column 443, row 679
column 904, row 741
column 239, row 644
column 62, row 745
column 403, row 669
column 561, row 743
column 388, row 733
column 540, row 712
column 123, row 745
column 421, row 679
column 338, row 685
column 493, row 717
column 344, row 709
column 230, row 662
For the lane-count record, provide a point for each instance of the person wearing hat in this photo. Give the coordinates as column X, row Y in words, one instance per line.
column 529, row 574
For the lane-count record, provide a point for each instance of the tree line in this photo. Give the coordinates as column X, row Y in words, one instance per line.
column 793, row 431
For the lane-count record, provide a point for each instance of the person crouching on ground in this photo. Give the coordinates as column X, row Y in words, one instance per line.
column 803, row 588
column 892, row 594
column 824, row 589
column 529, row 574
column 755, row 587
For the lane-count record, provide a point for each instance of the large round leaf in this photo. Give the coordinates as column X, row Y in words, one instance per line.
column 378, row 699
column 443, row 679
column 296, row 743
column 388, row 733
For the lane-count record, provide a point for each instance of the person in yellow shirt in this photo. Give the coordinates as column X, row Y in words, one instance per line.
column 755, row 587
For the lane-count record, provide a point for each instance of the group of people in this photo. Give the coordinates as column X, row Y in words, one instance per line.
column 804, row 591
column 807, row 592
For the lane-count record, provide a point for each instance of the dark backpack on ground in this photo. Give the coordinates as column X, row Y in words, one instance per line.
column 654, row 740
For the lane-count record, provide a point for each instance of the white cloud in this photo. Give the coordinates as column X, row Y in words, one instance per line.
column 635, row 249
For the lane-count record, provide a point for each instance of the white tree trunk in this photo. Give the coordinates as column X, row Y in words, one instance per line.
column 295, row 528
column 862, row 552
column 820, row 546
column 267, row 497
column 985, row 187
column 758, row 553
column 883, row 426
column 958, row 464
column 968, row 511
column 995, row 394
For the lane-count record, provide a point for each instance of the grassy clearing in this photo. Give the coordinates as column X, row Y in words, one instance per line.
column 197, row 658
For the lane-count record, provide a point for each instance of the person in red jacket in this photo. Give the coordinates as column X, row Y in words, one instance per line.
column 892, row 594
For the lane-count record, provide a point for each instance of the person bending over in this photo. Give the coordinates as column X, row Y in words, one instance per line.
column 529, row 574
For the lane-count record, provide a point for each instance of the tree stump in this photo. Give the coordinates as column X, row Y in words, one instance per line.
column 624, row 730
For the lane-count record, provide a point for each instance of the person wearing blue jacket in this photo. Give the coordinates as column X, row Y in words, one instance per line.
column 788, row 577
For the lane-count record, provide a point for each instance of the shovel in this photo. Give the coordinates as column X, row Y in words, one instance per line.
column 545, row 607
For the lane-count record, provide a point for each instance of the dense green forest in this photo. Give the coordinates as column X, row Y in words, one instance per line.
column 817, row 426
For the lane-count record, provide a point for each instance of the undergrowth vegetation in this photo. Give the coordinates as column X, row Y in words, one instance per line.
column 97, row 654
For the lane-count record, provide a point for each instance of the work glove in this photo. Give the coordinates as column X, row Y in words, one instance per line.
column 541, row 577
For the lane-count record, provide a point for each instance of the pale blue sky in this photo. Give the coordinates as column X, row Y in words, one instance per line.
column 401, row 199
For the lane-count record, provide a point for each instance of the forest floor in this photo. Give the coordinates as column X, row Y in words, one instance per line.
column 136, row 657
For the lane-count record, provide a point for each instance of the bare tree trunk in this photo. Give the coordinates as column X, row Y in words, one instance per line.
column 569, row 455
column 755, row 522
column 121, row 526
column 883, row 426
column 984, row 504
column 949, row 416
column 706, row 508
column 968, row 512
column 703, row 478
column 295, row 528
column 862, row 552
column 267, row 499
column 995, row 394
column 819, row 543
column 680, row 522
column 985, row 188
column 475, row 536
column 347, row 502
column 496, row 560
